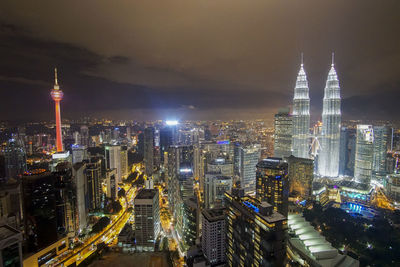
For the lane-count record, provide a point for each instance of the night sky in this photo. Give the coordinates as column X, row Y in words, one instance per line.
column 187, row 59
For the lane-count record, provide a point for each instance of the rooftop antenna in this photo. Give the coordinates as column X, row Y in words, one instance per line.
column 55, row 76
column 302, row 59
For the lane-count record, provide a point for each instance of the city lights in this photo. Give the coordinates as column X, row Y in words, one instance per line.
column 171, row 122
column 197, row 133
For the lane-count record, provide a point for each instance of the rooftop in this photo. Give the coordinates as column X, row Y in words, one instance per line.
column 312, row 246
column 214, row 214
column 263, row 210
column 272, row 163
column 147, row 194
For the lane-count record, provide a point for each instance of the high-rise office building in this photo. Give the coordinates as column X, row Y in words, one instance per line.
column 66, row 200
column 283, row 134
column 255, row 233
column 94, row 177
column 188, row 222
column 112, row 183
column 149, row 150
column 392, row 187
column 382, row 140
column 215, row 187
column 199, row 164
column 81, row 187
column 147, row 219
column 219, row 149
column 352, row 152
column 128, row 133
column 328, row 158
column 113, row 160
column 300, row 177
column 57, row 96
column 84, row 136
column 213, row 235
column 220, row 165
column 167, row 137
column 124, row 162
column 10, row 203
column 40, row 209
column 272, row 183
column 14, row 158
column 79, row 153
column 115, row 134
column 77, row 138
column 248, row 157
column 301, row 116
column 364, row 153
column 344, row 151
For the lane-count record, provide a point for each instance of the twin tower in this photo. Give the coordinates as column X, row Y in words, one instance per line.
column 329, row 138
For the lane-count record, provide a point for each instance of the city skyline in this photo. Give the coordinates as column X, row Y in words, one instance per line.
column 210, row 73
column 199, row 133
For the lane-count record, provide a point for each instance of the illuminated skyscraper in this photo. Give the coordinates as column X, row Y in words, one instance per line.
column 249, row 156
column 301, row 175
column 113, row 160
column 283, row 133
column 57, row 96
column 272, row 183
column 364, row 154
column 382, row 136
column 124, row 162
column 14, row 158
column 213, row 235
column 147, row 219
column 328, row 159
column 301, row 115
column 149, row 150
column 255, row 233
column 214, row 189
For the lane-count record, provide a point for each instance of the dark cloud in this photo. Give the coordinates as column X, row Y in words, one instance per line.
column 217, row 56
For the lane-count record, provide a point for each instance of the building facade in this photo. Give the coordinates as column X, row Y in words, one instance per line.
column 213, row 235
column 272, row 183
column 255, row 233
column 364, row 154
column 382, row 140
column 248, row 156
column 283, row 132
column 328, row 158
column 301, row 117
column 214, row 189
column 300, row 177
column 149, row 150
column 113, row 160
column 147, row 219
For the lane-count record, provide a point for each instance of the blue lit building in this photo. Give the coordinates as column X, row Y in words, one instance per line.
column 255, row 233
column 272, row 183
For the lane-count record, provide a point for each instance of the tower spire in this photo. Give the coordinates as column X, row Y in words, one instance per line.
column 333, row 59
column 302, row 59
column 55, row 76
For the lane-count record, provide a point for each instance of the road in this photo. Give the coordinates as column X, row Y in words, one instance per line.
column 107, row 235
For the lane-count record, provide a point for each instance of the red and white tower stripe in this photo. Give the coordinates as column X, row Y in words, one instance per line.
column 57, row 96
